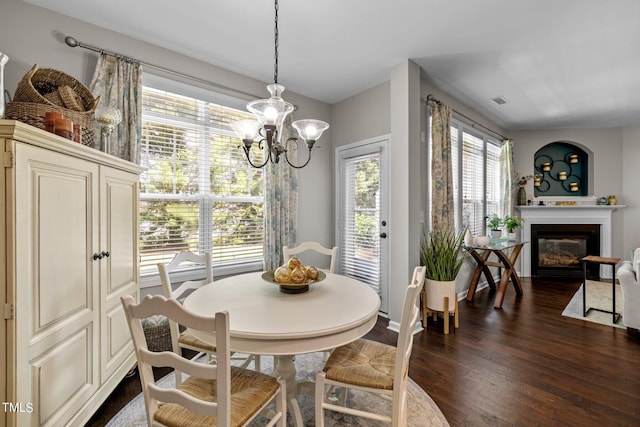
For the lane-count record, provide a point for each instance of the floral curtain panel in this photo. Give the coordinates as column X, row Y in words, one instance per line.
column 506, row 178
column 118, row 82
column 280, row 204
column 442, row 215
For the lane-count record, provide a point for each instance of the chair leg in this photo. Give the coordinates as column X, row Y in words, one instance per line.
column 446, row 315
column 281, row 404
column 423, row 304
column 456, row 319
column 319, row 397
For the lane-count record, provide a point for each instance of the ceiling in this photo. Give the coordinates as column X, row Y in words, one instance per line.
column 557, row 63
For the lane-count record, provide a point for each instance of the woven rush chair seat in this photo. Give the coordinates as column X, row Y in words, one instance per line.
column 363, row 363
column 250, row 390
column 188, row 339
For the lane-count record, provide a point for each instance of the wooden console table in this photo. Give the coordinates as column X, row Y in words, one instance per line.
column 507, row 253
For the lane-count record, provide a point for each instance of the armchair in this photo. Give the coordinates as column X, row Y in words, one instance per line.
column 627, row 275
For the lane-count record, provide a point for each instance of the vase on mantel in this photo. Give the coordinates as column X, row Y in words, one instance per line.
column 3, row 60
column 521, row 196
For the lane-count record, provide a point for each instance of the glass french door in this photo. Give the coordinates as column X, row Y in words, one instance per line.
column 362, row 214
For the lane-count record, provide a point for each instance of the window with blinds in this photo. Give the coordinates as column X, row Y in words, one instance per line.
column 476, row 171
column 360, row 248
column 198, row 192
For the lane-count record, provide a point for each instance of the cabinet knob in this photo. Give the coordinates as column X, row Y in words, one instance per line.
column 106, row 254
column 97, row 256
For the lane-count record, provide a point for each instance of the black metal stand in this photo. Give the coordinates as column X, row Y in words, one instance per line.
column 600, row 260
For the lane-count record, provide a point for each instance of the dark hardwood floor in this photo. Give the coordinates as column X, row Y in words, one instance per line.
column 524, row 365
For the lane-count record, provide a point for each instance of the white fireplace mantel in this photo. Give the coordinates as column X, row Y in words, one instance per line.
column 580, row 214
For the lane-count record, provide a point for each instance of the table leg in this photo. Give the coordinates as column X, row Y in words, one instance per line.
column 502, row 289
column 515, row 279
column 584, row 289
column 481, row 268
column 286, row 369
column 509, row 273
column 613, row 289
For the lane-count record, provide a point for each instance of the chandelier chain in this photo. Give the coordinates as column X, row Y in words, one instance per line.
column 275, row 33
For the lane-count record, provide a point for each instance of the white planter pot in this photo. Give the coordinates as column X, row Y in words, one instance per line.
column 496, row 234
column 437, row 291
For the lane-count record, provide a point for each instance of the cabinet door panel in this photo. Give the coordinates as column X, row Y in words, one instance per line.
column 61, row 231
column 119, row 275
column 63, row 378
column 57, row 308
column 119, row 209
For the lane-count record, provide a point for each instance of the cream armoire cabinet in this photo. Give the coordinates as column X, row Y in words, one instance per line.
column 69, row 232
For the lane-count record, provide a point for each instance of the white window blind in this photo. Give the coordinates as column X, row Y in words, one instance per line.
column 361, row 218
column 475, row 166
column 473, row 183
column 198, row 192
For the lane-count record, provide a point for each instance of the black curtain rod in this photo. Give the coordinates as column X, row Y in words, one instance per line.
column 431, row 98
column 72, row 42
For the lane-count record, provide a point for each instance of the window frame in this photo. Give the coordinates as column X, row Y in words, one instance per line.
column 460, row 127
column 204, row 197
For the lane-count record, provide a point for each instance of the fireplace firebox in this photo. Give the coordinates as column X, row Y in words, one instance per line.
column 556, row 250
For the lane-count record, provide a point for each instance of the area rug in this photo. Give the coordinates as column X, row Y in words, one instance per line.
column 598, row 296
column 423, row 412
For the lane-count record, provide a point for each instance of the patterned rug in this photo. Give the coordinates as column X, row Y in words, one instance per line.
column 423, row 412
column 598, row 296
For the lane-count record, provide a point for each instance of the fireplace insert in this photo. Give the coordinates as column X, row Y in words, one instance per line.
column 556, row 250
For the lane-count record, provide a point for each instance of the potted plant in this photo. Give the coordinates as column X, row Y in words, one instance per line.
column 494, row 222
column 512, row 223
column 442, row 254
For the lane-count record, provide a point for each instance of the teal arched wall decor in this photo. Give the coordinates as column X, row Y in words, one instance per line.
column 561, row 169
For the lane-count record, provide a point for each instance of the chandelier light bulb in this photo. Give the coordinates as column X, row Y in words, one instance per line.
column 270, row 114
column 311, row 130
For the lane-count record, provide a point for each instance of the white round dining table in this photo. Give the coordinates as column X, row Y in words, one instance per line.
column 265, row 321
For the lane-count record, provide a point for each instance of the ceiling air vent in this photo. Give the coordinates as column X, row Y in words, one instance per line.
column 499, row 100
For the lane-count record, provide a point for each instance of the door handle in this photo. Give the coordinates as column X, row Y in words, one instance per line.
column 383, row 235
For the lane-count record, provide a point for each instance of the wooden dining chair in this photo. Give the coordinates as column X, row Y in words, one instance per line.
column 213, row 394
column 182, row 338
column 288, row 252
column 373, row 367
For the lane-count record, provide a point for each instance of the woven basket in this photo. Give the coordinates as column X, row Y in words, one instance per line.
column 46, row 89
column 33, row 114
column 38, row 83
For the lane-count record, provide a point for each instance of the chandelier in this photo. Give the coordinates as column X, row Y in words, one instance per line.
column 271, row 114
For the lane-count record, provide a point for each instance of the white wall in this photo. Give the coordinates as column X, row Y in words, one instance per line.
column 606, row 146
column 32, row 35
column 631, row 188
column 404, row 182
column 362, row 116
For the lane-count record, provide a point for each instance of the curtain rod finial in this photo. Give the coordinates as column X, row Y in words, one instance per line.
column 70, row 41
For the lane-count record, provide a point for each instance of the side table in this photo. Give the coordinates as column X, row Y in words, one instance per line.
column 507, row 261
column 600, row 260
